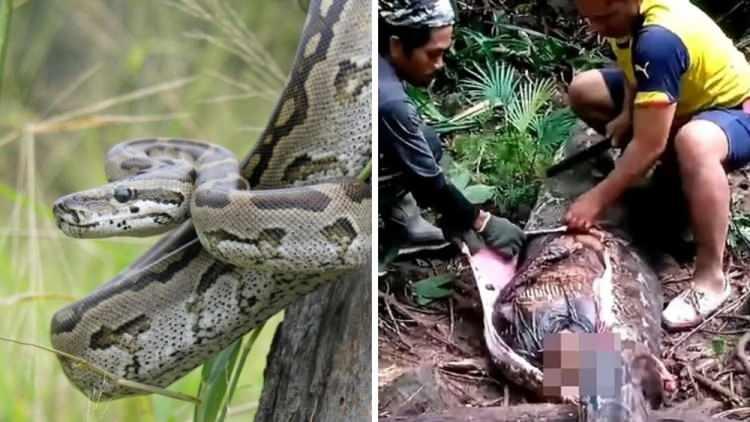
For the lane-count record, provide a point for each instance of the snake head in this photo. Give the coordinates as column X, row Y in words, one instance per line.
column 129, row 207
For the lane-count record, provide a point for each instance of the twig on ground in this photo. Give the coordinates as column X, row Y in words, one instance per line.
column 472, row 378
column 722, row 373
column 715, row 387
column 455, row 386
column 734, row 411
column 493, row 402
column 393, row 318
column 448, row 342
column 724, row 333
column 419, row 390
column 735, row 316
column 675, row 281
column 742, row 352
column 398, row 306
column 387, row 299
column 698, row 393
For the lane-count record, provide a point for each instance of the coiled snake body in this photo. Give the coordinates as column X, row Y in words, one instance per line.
column 304, row 221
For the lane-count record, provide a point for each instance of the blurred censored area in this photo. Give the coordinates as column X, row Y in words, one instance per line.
column 582, row 364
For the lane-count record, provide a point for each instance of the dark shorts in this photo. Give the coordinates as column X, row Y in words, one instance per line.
column 734, row 122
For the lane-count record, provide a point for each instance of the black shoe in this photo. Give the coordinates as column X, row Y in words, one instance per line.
column 408, row 224
column 405, row 231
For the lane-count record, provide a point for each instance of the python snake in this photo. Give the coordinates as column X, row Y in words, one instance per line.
column 250, row 238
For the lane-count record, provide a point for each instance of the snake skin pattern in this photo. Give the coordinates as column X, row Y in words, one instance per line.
column 582, row 283
column 245, row 254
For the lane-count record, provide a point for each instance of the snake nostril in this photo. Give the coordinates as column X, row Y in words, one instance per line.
column 63, row 212
column 59, row 209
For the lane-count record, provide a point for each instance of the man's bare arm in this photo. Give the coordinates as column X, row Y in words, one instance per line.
column 651, row 126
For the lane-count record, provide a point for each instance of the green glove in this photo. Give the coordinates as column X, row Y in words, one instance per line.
column 504, row 237
column 458, row 237
column 472, row 240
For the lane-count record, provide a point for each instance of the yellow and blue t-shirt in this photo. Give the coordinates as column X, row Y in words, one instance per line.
column 680, row 55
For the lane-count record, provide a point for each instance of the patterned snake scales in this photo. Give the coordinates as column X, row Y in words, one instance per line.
column 305, row 221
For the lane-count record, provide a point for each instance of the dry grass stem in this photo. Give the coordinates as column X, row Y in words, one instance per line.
column 145, row 388
column 235, row 97
column 242, row 408
column 234, row 37
column 72, row 88
column 121, row 99
column 97, row 121
column 33, row 297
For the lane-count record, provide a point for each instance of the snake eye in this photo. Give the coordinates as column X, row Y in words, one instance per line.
column 123, row 194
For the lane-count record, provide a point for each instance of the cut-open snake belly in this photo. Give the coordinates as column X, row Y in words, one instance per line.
column 187, row 298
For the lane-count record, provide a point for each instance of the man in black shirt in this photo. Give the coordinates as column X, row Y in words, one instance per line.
column 413, row 36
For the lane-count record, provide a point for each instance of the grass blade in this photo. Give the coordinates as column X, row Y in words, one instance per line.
column 214, row 382
column 6, row 12
column 238, row 369
column 219, row 379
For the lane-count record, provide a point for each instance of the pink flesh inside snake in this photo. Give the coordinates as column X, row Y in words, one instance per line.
column 492, row 273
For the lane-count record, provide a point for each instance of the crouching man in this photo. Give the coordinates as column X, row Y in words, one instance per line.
column 681, row 88
column 413, row 36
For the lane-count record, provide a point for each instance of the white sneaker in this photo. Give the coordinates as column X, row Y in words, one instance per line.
column 690, row 307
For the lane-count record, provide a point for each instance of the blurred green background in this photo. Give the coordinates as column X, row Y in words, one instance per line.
column 81, row 76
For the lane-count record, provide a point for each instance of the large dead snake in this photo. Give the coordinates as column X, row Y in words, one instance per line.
column 304, row 221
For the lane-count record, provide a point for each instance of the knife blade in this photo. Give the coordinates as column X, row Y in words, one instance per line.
column 579, row 157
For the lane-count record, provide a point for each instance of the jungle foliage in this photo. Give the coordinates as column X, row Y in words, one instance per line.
column 499, row 104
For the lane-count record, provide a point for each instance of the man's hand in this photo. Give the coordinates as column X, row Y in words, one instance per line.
column 651, row 126
column 472, row 240
column 500, row 234
column 582, row 215
column 620, row 128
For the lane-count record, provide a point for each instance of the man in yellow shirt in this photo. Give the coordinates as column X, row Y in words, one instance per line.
column 681, row 88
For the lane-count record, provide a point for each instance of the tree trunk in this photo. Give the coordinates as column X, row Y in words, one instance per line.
column 319, row 367
column 537, row 413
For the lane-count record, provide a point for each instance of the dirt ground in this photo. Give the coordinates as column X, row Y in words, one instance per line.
column 433, row 357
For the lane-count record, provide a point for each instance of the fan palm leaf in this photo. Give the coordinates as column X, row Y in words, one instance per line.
column 495, row 82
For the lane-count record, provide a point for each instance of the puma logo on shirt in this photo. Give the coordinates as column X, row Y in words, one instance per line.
column 643, row 69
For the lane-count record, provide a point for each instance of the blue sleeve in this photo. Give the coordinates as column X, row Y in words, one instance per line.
column 660, row 58
column 402, row 141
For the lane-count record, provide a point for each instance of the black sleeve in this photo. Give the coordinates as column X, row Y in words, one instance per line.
column 457, row 212
column 403, row 142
